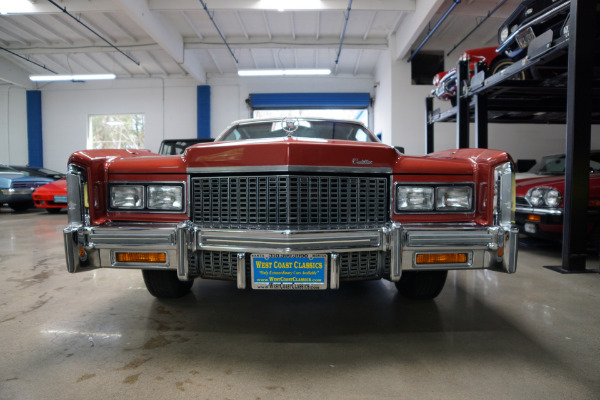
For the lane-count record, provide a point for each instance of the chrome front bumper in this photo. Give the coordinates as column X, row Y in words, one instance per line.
column 492, row 248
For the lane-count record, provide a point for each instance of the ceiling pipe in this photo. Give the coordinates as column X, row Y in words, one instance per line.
column 490, row 13
column 64, row 9
column 28, row 60
column 218, row 30
column 431, row 32
column 343, row 33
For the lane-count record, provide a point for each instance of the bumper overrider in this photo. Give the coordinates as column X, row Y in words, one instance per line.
column 493, row 248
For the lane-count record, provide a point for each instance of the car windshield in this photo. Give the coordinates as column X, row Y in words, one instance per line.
column 299, row 128
column 555, row 165
column 7, row 169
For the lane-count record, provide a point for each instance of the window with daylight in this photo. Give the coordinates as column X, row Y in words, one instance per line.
column 116, row 131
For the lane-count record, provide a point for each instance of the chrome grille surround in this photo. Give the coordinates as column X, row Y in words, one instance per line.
column 290, row 201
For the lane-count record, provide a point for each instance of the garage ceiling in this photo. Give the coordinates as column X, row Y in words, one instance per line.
column 175, row 38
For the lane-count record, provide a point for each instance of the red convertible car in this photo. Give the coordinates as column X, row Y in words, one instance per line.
column 540, row 197
column 445, row 82
column 51, row 196
column 292, row 204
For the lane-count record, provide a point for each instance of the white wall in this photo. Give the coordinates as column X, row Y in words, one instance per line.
column 13, row 125
column 169, row 107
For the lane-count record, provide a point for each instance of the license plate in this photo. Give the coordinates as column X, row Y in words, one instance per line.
column 529, row 227
column 60, row 199
column 289, row 271
column 524, row 38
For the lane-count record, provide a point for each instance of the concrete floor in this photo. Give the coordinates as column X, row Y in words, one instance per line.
column 100, row 335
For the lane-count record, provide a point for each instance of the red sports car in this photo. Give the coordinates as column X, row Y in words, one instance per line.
column 51, row 196
column 445, row 82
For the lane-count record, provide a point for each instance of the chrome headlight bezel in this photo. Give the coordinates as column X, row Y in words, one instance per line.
column 150, row 193
column 503, row 34
column 433, row 198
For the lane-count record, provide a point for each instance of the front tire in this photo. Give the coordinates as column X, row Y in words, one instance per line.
column 20, row 207
column 165, row 284
column 421, row 285
column 501, row 63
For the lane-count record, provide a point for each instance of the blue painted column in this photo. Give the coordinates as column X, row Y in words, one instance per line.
column 203, row 113
column 34, row 128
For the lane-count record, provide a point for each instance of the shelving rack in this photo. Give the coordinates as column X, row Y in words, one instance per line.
column 565, row 89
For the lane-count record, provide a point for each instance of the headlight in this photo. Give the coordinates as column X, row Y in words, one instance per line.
column 165, row 197
column 454, row 198
column 536, row 197
column 544, row 197
column 504, row 34
column 553, row 198
column 128, row 197
column 434, row 198
column 414, row 198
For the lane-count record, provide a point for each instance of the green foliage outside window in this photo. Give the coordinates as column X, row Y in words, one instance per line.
column 117, row 131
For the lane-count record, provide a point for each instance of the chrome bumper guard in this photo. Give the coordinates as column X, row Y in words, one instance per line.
column 493, row 248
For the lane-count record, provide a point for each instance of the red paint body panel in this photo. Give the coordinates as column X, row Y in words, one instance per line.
column 465, row 165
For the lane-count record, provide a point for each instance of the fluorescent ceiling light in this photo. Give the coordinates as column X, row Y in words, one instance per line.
column 54, row 78
column 282, row 72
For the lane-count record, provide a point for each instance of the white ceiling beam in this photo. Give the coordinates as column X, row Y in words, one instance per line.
column 366, row 35
column 24, row 29
column 117, row 62
column 413, row 25
column 98, row 63
column 239, row 18
column 158, row 64
column 318, row 25
column 12, row 73
column 82, row 6
column 164, row 34
column 16, row 37
column 383, row 5
column 76, row 30
column 214, row 59
column 96, row 28
column 267, row 25
column 357, row 65
column 293, row 26
column 49, row 29
column 113, row 21
column 192, row 25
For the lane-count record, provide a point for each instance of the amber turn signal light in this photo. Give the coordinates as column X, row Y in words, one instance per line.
column 535, row 218
column 442, row 258
column 141, row 257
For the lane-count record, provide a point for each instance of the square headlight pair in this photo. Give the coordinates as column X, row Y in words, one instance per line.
column 434, row 198
column 150, row 197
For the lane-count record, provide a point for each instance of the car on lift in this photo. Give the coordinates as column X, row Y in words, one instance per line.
column 292, row 204
column 16, row 188
column 540, row 198
column 530, row 19
column 52, row 196
column 38, row 171
column 445, row 82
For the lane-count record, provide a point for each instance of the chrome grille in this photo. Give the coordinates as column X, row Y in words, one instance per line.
column 290, row 200
column 358, row 265
column 27, row 185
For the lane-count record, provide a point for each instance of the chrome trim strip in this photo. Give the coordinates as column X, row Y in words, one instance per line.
column 541, row 18
column 533, row 210
column 289, row 168
column 396, row 253
column 241, row 271
column 335, row 271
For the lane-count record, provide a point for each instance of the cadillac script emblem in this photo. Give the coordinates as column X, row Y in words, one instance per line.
column 357, row 161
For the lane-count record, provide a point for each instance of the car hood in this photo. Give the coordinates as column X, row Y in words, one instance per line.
column 55, row 187
column 557, row 182
column 279, row 154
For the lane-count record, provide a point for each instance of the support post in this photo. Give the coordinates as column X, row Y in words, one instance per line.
column 481, row 114
column 579, row 89
column 428, row 125
column 462, row 104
